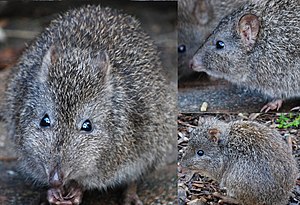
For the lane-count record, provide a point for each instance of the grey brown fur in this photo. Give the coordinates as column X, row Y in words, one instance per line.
column 271, row 63
column 196, row 21
column 252, row 161
column 91, row 63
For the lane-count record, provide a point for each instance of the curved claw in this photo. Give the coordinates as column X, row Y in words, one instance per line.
column 274, row 105
column 131, row 196
column 54, row 195
column 73, row 197
column 132, row 199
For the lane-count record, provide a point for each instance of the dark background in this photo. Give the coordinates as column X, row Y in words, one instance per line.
column 21, row 22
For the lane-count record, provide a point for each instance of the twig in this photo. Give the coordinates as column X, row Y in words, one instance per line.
column 185, row 124
column 20, row 34
column 8, row 159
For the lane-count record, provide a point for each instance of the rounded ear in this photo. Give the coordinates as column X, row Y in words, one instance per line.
column 101, row 63
column 214, row 135
column 202, row 11
column 49, row 59
column 248, row 29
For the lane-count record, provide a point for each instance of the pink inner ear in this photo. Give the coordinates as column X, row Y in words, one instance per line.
column 246, row 34
column 214, row 135
column 53, row 54
column 245, row 30
column 202, row 12
column 213, row 131
column 215, row 139
column 248, row 29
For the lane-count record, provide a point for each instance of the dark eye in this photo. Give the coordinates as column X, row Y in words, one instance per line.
column 181, row 49
column 45, row 122
column 86, row 126
column 200, row 152
column 220, row 44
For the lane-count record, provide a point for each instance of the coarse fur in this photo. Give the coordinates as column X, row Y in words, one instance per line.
column 196, row 21
column 271, row 63
column 251, row 160
column 91, row 63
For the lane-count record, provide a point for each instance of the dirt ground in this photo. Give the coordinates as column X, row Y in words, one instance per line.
column 195, row 189
column 21, row 22
column 223, row 96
